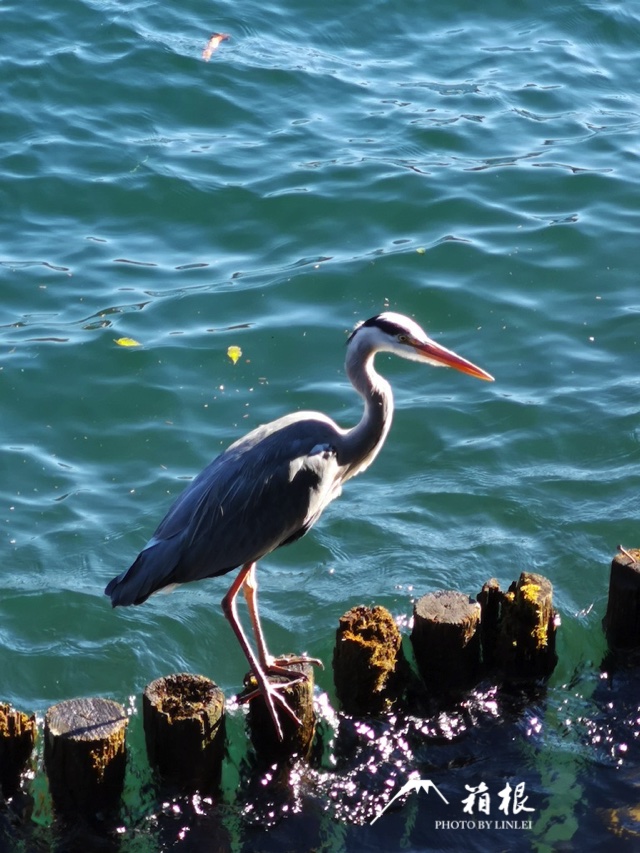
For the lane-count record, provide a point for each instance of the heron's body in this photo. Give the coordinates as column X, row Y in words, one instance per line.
column 257, row 495
column 269, row 487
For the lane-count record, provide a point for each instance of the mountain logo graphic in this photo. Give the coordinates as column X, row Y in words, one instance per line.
column 408, row 788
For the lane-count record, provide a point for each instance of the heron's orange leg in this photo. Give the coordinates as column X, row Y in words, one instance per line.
column 268, row 690
column 275, row 666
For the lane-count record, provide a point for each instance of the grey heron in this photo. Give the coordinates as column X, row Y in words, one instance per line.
column 269, row 487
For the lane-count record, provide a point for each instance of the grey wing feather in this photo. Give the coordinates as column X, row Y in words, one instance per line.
column 264, row 491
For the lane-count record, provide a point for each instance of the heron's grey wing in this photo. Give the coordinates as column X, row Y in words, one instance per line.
column 263, row 492
column 273, row 501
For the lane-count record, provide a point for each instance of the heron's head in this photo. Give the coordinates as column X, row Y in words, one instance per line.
column 390, row 332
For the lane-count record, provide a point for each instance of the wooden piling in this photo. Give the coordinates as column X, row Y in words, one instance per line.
column 446, row 641
column 85, row 755
column 622, row 619
column 17, row 738
column 297, row 741
column 184, row 726
column 527, row 624
column 368, row 661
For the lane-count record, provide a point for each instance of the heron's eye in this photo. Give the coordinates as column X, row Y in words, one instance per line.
column 402, row 339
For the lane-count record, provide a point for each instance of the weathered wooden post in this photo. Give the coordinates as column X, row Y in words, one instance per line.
column 297, row 741
column 368, row 661
column 184, row 726
column 85, row 755
column 523, row 624
column 622, row 619
column 446, row 641
column 17, row 738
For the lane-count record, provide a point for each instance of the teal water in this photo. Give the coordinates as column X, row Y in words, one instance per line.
column 473, row 167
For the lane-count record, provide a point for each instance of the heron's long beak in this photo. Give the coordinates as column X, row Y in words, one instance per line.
column 441, row 355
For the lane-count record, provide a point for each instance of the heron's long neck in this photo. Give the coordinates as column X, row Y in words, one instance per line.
column 362, row 443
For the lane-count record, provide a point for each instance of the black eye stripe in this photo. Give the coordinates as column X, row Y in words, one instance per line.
column 384, row 325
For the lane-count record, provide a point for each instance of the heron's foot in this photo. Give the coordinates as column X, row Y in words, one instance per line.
column 292, row 660
column 282, row 667
column 270, row 692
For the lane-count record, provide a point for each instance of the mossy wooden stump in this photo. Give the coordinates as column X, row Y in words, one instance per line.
column 297, row 740
column 368, row 661
column 85, row 755
column 17, row 738
column 446, row 641
column 519, row 627
column 622, row 619
column 184, row 729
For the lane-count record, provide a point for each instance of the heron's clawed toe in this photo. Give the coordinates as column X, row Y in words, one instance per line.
column 270, row 692
column 293, row 676
column 293, row 660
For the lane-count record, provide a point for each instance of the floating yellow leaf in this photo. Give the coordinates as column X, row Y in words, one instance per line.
column 126, row 342
column 421, row 250
column 234, row 353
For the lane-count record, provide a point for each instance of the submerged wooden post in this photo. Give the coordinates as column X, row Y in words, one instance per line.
column 184, row 729
column 297, row 741
column 85, row 754
column 526, row 647
column 622, row 619
column 368, row 661
column 17, row 738
column 446, row 641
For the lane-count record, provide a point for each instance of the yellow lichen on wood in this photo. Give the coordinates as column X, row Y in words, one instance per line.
column 15, row 723
column 365, row 660
column 377, row 635
column 532, row 621
column 541, row 633
column 17, row 738
column 104, row 753
column 521, row 626
column 530, row 592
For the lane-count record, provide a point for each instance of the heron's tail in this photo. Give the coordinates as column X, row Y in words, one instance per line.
column 153, row 570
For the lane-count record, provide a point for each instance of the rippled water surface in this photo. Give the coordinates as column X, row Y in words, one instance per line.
column 473, row 166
